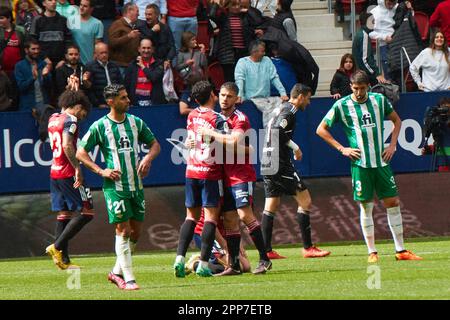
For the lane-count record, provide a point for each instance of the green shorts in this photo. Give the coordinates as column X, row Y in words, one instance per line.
column 367, row 180
column 123, row 206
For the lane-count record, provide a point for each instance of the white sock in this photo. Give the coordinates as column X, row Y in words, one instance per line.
column 124, row 257
column 396, row 225
column 179, row 259
column 367, row 226
column 117, row 269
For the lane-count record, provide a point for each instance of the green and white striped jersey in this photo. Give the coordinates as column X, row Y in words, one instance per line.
column 364, row 126
column 119, row 144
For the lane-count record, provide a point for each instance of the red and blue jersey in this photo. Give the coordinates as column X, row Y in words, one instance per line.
column 201, row 163
column 238, row 172
column 58, row 125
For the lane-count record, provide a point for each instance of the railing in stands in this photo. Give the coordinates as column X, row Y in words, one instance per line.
column 403, row 52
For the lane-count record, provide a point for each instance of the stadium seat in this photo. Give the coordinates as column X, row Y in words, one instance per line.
column 215, row 73
column 203, row 34
column 359, row 4
column 423, row 24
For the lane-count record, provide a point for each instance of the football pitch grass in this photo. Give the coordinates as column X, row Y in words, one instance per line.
column 345, row 274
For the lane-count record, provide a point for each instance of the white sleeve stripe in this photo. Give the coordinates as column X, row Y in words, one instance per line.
column 364, row 57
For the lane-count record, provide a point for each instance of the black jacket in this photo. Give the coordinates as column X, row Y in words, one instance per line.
column 340, row 84
column 304, row 65
column 64, row 72
column 163, row 42
column 99, row 80
column 155, row 73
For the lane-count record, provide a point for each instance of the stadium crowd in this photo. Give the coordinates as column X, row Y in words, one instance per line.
column 42, row 42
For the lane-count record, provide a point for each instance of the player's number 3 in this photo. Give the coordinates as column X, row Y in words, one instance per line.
column 55, row 143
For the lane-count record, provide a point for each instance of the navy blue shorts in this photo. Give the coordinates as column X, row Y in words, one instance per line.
column 66, row 198
column 238, row 196
column 203, row 193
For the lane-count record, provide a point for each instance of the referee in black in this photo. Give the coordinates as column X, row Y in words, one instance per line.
column 280, row 176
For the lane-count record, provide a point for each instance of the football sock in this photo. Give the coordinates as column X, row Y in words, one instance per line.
column 305, row 227
column 396, row 225
column 367, row 226
column 61, row 224
column 254, row 229
column 267, row 229
column 124, row 257
column 133, row 244
column 71, row 229
column 233, row 238
column 208, row 236
column 186, row 235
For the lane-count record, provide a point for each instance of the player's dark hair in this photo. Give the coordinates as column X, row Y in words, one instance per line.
column 300, row 89
column 69, row 99
column 444, row 101
column 230, row 86
column 111, row 91
column 201, row 91
column 359, row 77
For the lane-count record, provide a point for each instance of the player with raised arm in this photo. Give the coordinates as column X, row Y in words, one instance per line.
column 203, row 180
column 280, row 176
column 118, row 135
column 362, row 116
column 68, row 194
column 239, row 180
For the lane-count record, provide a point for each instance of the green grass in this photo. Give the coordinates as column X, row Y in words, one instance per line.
column 342, row 275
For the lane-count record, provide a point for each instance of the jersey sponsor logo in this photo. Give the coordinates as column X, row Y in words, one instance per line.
column 125, row 144
column 367, row 121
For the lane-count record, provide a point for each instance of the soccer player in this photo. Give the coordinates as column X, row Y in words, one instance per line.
column 240, row 177
column 203, row 180
column 118, row 135
column 68, row 195
column 362, row 115
column 280, row 176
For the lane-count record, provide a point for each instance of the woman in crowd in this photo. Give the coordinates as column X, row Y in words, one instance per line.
column 435, row 64
column 340, row 85
column 24, row 11
column 191, row 60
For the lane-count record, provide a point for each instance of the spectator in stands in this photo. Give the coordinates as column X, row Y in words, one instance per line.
column 187, row 103
column 24, row 12
column 86, row 30
column 435, row 65
column 383, row 30
column 340, row 85
column 182, row 17
column 6, row 90
column 441, row 18
column 124, row 37
column 72, row 66
column 143, row 4
column 64, row 8
column 33, row 78
column 159, row 33
column 362, row 51
column 191, row 60
column 284, row 69
column 12, row 39
column 102, row 73
column 52, row 32
column 105, row 11
column 284, row 19
column 254, row 75
column 234, row 37
column 143, row 77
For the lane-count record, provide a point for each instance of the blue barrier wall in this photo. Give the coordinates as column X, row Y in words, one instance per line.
column 25, row 161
